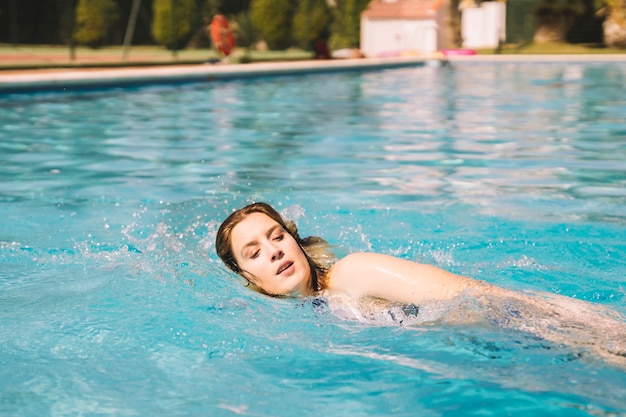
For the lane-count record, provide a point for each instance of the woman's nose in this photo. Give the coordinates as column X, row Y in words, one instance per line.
column 277, row 253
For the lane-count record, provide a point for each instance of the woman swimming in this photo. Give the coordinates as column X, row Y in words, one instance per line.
column 258, row 244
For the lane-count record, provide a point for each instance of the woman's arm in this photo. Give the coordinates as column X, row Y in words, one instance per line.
column 553, row 317
column 376, row 275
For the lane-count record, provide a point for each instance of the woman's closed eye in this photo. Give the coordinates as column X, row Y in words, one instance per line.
column 255, row 254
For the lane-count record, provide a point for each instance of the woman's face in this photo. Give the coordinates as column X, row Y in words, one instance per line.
column 270, row 257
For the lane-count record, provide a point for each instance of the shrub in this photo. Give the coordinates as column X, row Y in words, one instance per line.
column 245, row 33
column 311, row 22
column 95, row 21
column 347, row 23
column 173, row 31
column 225, row 7
column 273, row 21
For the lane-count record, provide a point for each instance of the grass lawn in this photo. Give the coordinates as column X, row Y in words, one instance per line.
column 29, row 56
column 553, row 48
column 45, row 56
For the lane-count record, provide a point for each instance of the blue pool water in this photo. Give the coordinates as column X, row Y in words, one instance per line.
column 113, row 303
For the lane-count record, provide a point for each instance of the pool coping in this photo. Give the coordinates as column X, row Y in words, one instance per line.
column 73, row 79
column 87, row 78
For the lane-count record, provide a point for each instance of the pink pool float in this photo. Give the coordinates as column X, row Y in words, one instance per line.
column 458, row 52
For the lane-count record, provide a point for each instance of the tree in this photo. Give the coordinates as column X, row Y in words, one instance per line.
column 553, row 20
column 273, row 21
column 225, row 7
column 244, row 30
column 173, row 22
column 311, row 22
column 95, row 21
column 587, row 27
column 346, row 29
column 615, row 24
column 452, row 24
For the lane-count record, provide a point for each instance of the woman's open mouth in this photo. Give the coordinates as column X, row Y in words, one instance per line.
column 283, row 267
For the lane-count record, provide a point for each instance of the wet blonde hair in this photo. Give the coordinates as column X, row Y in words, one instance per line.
column 316, row 250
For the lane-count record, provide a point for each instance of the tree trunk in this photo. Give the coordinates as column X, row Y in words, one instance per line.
column 614, row 26
column 550, row 25
column 614, row 33
column 452, row 24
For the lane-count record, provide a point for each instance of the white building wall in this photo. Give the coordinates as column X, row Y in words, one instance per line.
column 484, row 26
column 379, row 37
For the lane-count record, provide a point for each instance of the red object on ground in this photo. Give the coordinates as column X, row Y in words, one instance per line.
column 321, row 49
column 221, row 35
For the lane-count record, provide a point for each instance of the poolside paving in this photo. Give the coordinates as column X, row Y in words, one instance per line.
column 60, row 79
column 73, row 78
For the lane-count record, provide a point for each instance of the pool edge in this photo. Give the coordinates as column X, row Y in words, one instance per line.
column 50, row 80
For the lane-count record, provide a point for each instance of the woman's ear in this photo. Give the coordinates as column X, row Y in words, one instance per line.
column 292, row 228
column 254, row 287
column 251, row 281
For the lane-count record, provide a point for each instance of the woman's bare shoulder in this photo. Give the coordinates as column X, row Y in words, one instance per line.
column 367, row 273
column 343, row 276
column 358, row 262
column 366, row 261
column 384, row 276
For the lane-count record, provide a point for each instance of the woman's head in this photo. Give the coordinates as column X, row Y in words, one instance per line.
column 224, row 233
column 257, row 243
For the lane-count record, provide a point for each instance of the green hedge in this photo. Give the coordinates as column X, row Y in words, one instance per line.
column 273, row 21
column 311, row 22
column 95, row 22
column 174, row 30
column 347, row 23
